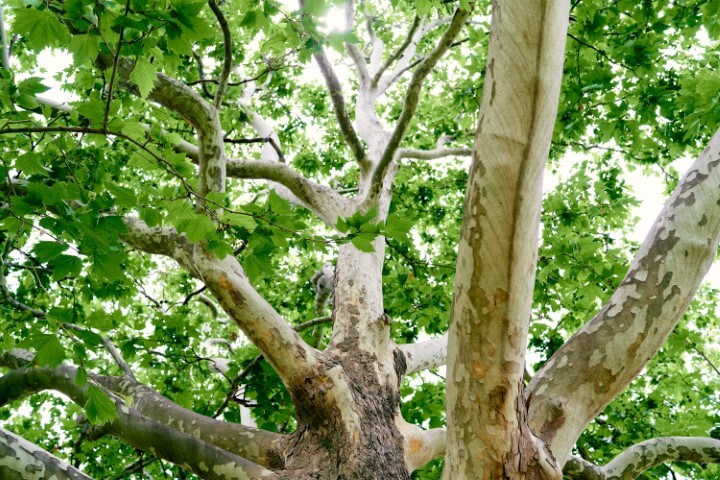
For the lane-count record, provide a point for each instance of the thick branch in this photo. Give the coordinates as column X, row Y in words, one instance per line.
column 184, row 101
column 338, row 101
column 18, row 457
column 601, row 359
column 497, row 251
column 631, row 463
column 325, row 202
column 421, row 446
column 412, row 97
column 425, row 355
column 275, row 338
column 256, row 445
column 139, row 431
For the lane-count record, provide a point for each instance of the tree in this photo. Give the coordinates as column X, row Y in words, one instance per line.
column 123, row 208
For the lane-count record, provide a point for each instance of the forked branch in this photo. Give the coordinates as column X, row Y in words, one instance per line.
column 412, row 97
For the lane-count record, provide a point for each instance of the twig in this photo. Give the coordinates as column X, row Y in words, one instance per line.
column 116, row 61
column 398, row 53
column 12, row 300
column 702, row 354
column 601, row 53
column 111, row 348
column 269, row 139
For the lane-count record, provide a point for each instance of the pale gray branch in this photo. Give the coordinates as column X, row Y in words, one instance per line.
column 631, row 463
column 276, row 339
column 325, row 202
column 162, row 440
column 434, row 153
column 412, row 97
column 614, row 346
column 338, row 101
column 425, row 355
column 19, row 457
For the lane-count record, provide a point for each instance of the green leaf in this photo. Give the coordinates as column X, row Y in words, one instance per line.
column 100, row 409
column 47, row 250
column 199, row 228
column 32, row 86
column 31, row 164
column 49, row 351
column 124, row 197
column 65, row 265
column 144, row 76
column 81, row 377
column 85, row 48
column 363, row 242
column 41, row 28
column 108, row 266
column 397, row 227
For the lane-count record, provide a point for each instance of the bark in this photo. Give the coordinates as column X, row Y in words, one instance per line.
column 606, row 354
column 632, row 462
column 22, row 460
column 202, row 458
column 488, row 436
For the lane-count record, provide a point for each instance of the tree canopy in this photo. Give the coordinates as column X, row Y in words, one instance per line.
column 193, row 135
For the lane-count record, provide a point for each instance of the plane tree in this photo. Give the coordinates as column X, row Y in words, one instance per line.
column 266, row 240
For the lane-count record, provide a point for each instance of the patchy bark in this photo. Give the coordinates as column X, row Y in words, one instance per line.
column 488, row 436
column 601, row 359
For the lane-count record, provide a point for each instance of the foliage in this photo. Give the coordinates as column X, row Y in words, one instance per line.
column 637, row 82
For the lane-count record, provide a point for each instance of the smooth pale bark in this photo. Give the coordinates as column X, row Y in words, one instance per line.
column 631, row 463
column 425, row 355
column 606, row 354
column 487, row 433
column 22, row 460
column 258, row 446
column 291, row 357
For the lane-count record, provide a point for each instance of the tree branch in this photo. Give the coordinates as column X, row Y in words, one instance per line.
column 631, row 463
column 20, row 457
column 425, row 355
column 276, row 339
column 615, row 345
column 111, row 348
column 398, row 53
column 258, row 446
column 227, row 53
column 434, row 153
column 323, row 201
column 338, row 101
column 497, row 252
column 138, row 430
column 411, row 99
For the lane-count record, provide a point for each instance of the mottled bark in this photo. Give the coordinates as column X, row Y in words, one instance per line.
column 22, row 460
column 488, row 437
column 606, row 354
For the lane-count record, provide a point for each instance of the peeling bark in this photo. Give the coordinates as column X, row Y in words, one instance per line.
column 606, row 354
column 488, row 436
column 22, row 460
